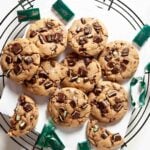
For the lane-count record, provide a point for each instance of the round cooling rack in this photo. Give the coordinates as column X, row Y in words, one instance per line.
column 15, row 29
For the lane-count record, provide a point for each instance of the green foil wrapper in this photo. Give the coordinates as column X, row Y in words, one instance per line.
column 49, row 139
column 142, row 36
column 84, row 146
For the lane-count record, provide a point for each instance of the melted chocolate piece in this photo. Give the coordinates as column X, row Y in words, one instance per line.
column 87, row 30
column 115, row 70
column 43, row 74
column 117, row 107
column 123, row 67
column 125, row 61
column 42, row 39
column 82, row 49
column 73, row 104
column 17, row 69
column 108, row 58
column 16, row 48
column 78, row 29
column 97, row 26
column 105, row 134
column 82, row 40
column 85, row 79
column 18, row 59
column 82, row 72
column 83, row 21
column 8, row 59
column 48, row 38
column 97, row 39
column 75, row 115
column 48, row 84
column 22, row 125
column 116, row 137
column 27, row 107
column 97, row 91
column 42, row 29
column 125, row 52
column 22, row 100
column 111, row 94
column 61, row 97
column 102, row 106
column 58, row 37
column 33, row 80
column 87, row 61
column 110, row 64
column 71, row 62
column 28, row 60
column 33, row 34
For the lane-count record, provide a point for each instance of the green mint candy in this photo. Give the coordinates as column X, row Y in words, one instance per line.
column 142, row 36
column 84, row 146
column 28, row 15
column 63, row 10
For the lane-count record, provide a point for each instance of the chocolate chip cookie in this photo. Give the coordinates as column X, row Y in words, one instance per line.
column 119, row 61
column 24, row 118
column 83, row 73
column 69, row 107
column 101, row 138
column 109, row 102
column 87, row 36
column 49, row 36
column 47, row 78
column 20, row 60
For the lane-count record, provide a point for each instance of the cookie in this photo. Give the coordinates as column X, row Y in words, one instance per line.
column 109, row 102
column 101, row 138
column 47, row 78
column 69, row 107
column 83, row 73
column 20, row 60
column 24, row 118
column 119, row 61
column 49, row 36
column 87, row 36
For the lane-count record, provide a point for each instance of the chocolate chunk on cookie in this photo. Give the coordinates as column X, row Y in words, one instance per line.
column 88, row 37
column 47, row 78
column 20, row 60
column 109, row 102
column 83, row 73
column 119, row 61
column 69, row 107
column 101, row 138
column 24, row 118
column 49, row 36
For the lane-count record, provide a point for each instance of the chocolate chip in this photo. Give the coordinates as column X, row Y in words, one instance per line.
column 78, row 29
column 125, row 52
column 123, row 67
column 8, row 59
column 33, row 34
column 22, row 125
column 125, row 61
column 111, row 93
column 42, row 29
column 117, row 107
column 105, row 134
column 28, row 60
column 73, row 104
column 116, row 137
column 53, row 63
column 42, row 39
column 71, row 62
column 33, row 80
column 87, row 61
column 43, row 74
column 83, row 21
column 82, row 49
column 17, row 69
column 48, row 84
column 97, row 91
column 87, row 30
column 16, row 48
column 22, row 100
column 61, row 97
column 82, row 40
column 103, row 106
column 85, row 79
column 48, row 38
column 82, row 72
column 110, row 64
column 50, row 25
column 27, row 107
column 18, row 59
column 58, row 37
column 115, row 70
column 97, row 39
column 108, row 58
column 41, row 81
column 75, row 115
column 85, row 105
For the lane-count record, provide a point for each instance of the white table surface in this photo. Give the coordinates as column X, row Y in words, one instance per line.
column 142, row 139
